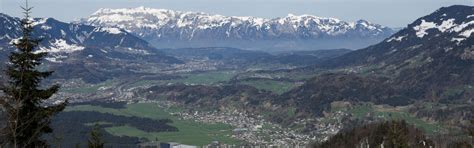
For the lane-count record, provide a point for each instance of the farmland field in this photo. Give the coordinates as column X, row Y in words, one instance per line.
column 190, row 132
column 390, row 113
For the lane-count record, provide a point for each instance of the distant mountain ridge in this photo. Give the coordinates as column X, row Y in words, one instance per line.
column 167, row 26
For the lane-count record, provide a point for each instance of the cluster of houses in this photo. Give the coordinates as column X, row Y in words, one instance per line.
column 214, row 144
column 252, row 129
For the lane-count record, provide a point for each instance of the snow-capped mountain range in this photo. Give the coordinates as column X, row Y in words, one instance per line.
column 63, row 40
column 93, row 54
column 160, row 25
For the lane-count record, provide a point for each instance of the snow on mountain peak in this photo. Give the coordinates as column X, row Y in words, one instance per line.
column 169, row 24
column 454, row 23
column 448, row 25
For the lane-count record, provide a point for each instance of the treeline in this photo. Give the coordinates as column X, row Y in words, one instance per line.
column 70, row 128
column 459, row 114
column 389, row 134
column 144, row 124
column 105, row 104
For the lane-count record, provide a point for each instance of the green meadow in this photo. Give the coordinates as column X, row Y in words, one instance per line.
column 190, row 132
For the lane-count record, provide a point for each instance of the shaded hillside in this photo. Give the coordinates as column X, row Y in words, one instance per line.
column 391, row 134
column 301, row 58
column 317, row 94
column 206, row 97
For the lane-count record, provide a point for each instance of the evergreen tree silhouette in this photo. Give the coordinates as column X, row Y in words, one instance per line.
column 27, row 112
column 95, row 139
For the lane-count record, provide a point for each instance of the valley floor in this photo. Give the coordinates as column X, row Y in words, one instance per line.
column 228, row 126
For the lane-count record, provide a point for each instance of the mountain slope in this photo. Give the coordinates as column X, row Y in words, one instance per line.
column 167, row 26
column 446, row 32
column 385, row 134
column 419, row 63
column 434, row 52
column 316, row 95
column 83, row 49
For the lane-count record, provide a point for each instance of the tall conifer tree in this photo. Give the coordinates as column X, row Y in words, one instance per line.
column 27, row 112
column 95, row 139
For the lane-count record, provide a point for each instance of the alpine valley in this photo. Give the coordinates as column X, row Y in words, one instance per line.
column 149, row 75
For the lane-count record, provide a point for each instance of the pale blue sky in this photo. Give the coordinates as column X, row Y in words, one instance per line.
column 393, row 13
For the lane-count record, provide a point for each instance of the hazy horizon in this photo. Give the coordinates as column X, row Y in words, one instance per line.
column 384, row 12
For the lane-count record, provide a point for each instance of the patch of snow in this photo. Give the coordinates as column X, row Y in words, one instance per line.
column 142, row 20
column 464, row 34
column 46, row 27
column 56, row 58
column 58, row 102
column 61, row 45
column 445, row 25
column 399, row 38
column 39, row 21
column 15, row 41
column 109, row 30
column 421, row 29
column 462, row 26
column 458, row 39
column 138, row 51
column 467, row 33
column 104, row 51
column 51, row 59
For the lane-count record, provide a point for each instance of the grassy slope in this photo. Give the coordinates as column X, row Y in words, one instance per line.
column 360, row 111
